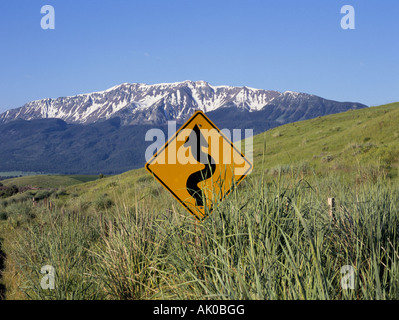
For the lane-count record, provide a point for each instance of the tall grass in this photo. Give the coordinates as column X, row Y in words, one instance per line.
column 61, row 240
column 270, row 239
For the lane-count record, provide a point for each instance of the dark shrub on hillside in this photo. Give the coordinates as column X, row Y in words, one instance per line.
column 6, row 192
column 42, row 195
column 103, row 202
column 61, row 192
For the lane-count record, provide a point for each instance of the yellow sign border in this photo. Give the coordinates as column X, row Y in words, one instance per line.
column 195, row 115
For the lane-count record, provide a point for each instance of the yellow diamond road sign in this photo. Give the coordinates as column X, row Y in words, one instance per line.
column 199, row 165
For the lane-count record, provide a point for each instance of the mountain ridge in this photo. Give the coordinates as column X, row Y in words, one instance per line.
column 138, row 103
column 105, row 131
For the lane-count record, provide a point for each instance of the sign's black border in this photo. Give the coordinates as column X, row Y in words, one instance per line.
column 195, row 115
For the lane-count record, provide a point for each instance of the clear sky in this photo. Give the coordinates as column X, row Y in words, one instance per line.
column 269, row 44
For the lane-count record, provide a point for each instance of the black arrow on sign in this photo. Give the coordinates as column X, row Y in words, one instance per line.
column 195, row 142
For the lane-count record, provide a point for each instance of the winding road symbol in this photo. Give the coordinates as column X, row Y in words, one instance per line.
column 195, row 142
column 199, row 166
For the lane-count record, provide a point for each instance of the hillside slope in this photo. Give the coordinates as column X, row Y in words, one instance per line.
column 342, row 142
column 352, row 143
column 48, row 181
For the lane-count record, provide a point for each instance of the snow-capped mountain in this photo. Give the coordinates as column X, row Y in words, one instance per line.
column 141, row 103
column 105, row 131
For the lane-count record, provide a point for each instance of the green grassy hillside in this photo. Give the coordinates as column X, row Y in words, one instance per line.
column 274, row 237
column 348, row 144
column 49, row 181
column 341, row 143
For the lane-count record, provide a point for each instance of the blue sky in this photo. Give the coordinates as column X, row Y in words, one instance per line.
column 278, row 45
